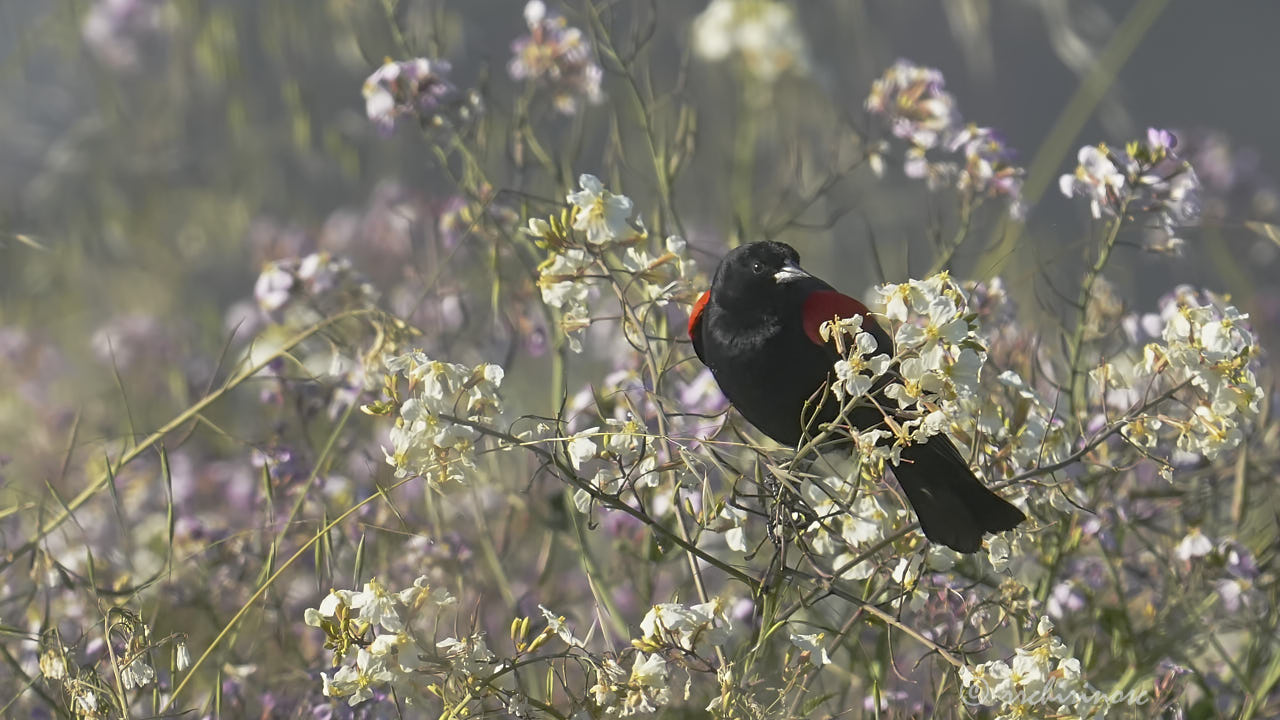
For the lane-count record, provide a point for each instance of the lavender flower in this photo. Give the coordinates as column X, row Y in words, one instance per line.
column 988, row 167
column 558, row 57
column 1148, row 177
column 912, row 99
column 913, row 102
column 417, row 87
column 1233, row 182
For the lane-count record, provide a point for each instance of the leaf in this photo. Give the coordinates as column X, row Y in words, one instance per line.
column 1266, row 230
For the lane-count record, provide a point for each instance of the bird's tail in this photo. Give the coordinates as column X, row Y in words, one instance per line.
column 953, row 506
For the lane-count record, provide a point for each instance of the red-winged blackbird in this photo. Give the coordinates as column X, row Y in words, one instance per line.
column 757, row 329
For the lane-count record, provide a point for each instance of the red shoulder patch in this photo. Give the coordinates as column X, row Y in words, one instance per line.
column 823, row 305
column 696, row 314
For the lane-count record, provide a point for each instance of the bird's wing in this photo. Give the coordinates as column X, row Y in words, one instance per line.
column 823, row 305
column 695, row 324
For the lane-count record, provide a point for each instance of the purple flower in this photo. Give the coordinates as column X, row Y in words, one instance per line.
column 1148, row 177
column 1065, row 599
column 282, row 464
column 558, row 57
column 1161, row 139
column 1233, row 183
column 417, row 87
column 988, row 167
column 912, row 100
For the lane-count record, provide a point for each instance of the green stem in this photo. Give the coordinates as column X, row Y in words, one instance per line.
column 1076, row 347
column 1093, row 87
column 962, row 232
column 741, row 178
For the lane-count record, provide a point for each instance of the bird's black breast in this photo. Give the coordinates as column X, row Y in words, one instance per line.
column 766, row 368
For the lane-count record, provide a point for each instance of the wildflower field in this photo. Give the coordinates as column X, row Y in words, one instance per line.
column 345, row 367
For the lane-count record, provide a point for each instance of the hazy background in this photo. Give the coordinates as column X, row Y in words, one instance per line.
column 152, row 164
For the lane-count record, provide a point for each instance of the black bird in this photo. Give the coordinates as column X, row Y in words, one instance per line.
column 757, row 329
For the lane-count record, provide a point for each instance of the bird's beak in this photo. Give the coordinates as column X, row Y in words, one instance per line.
column 790, row 272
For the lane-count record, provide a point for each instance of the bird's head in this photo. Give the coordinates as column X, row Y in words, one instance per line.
column 751, row 276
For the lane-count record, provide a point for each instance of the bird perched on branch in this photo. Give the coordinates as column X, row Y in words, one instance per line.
column 757, row 329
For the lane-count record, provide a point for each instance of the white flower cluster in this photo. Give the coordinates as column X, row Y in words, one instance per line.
column 1147, row 177
column 811, row 647
column 938, row 351
column 603, row 216
column 764, row 33
column 87, row 691
column 368, row 630
column 642, row 691
column 626, row 453
column 858, row 368
column 1014, row 553
column 1022, row 431
column 1042, row 680
column 296, row 293
column 853, row 520
column 573, row 270
column 427, row 440
column 1209, row 345
column 688, row 627
column 309, row 285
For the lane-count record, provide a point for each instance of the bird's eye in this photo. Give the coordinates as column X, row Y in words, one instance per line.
column 757, row 268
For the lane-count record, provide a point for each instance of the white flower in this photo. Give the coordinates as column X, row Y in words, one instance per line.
column 687, row 627
column 138, row 673
column 1096, row 178
column 53, row 663
column 608, row 676
column 712, row 31
column 601, row 214
column 907, row 571
column 377, row 606
column 998, row 553
column 649, row 670
column 556, row 624
column 560, row 279
column 426, row 444
column 183, row 656
column 647, row 685
column 334, row 601
column 1028, row 671
column 763, row 33
column 467, row 655
column 1194, row 545
column 421, row 593
column 940, row 558
column 860, row 570
column 355, row 682
column 582, row 447
column 855, row 374
column 735, row 535
column 273, row 287
column 867, row 522
column 1044, row 627
column 812, row 644
column 534, row 12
